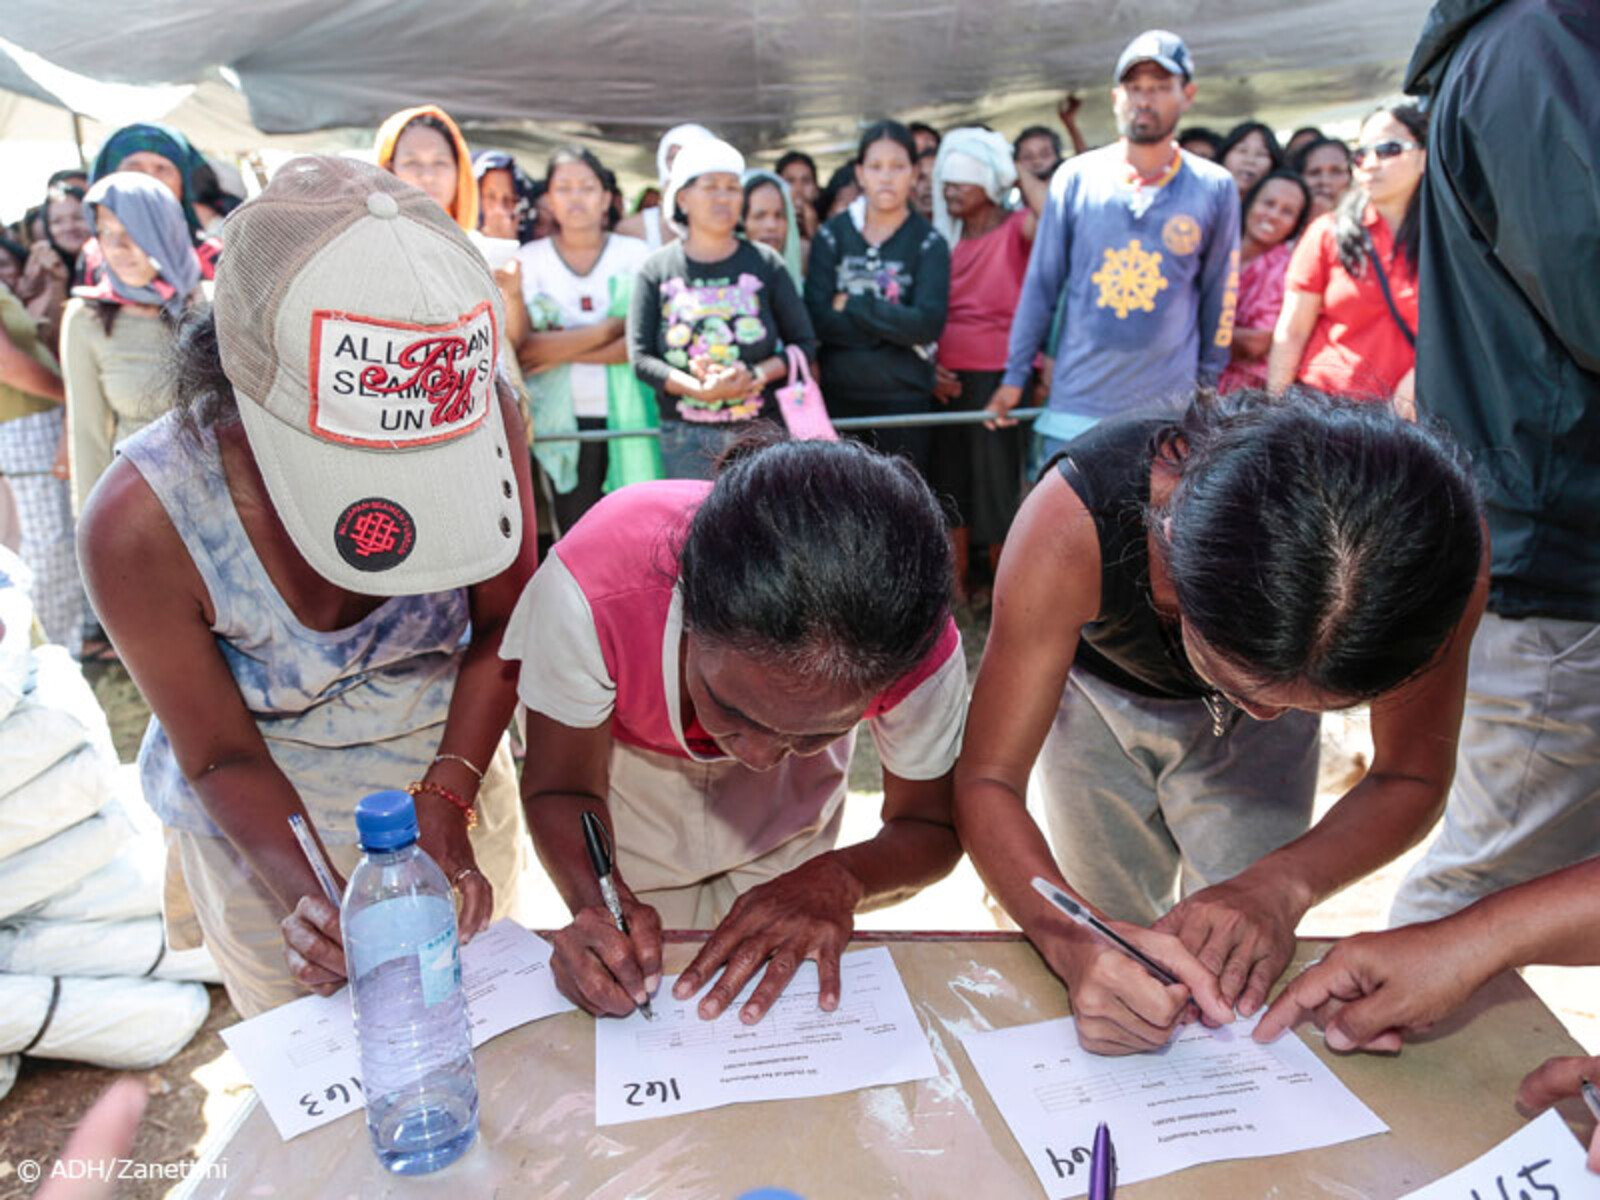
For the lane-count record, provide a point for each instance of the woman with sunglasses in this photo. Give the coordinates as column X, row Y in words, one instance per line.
column 1349, row 320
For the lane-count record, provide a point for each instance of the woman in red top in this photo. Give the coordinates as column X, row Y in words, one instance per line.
column 1337, row 331
column 1274, row 214
column 979, row 472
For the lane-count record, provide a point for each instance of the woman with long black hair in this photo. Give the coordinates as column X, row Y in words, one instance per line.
column 576, row 287
column 877, row 288
column 1179, row 599
column 1349, row 320
column 1249, row 152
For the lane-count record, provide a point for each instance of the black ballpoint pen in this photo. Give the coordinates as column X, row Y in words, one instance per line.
column 594, row 837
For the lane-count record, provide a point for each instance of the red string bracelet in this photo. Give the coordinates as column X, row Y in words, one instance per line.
column 438, row 789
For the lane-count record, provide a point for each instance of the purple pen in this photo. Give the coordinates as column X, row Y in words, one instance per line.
column 1102, row 1165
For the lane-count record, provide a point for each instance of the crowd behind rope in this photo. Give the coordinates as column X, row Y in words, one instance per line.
column 887, row 326
column 1222, row 332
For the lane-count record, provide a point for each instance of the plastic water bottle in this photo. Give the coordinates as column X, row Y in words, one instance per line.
column 399, row 923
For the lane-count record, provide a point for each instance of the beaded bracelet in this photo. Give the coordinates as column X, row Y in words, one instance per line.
column 437, row 789
column 465, row 762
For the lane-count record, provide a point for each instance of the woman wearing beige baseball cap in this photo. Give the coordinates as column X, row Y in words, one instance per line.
column 307, row 569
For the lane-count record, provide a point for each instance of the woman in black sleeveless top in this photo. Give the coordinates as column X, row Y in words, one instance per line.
column 1172, row 588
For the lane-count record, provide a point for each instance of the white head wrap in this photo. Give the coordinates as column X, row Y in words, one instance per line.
column 679, row 136
column 970, row 155
column 704, row 156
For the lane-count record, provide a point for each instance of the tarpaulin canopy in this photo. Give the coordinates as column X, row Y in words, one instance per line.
column 763, row 73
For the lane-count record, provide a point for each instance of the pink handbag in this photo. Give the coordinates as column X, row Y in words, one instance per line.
column 800, row 401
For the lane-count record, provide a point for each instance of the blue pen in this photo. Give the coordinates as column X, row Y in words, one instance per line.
column 1102, row 1165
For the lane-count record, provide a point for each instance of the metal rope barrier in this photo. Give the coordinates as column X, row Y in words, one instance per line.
column 886, row 421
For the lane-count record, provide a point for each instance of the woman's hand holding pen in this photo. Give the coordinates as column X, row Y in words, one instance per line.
column 313, row 944
column 602, row 970
column 1242, row 930
column 1120, row 1007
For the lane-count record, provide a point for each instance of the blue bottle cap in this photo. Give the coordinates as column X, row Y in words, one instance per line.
column 386, row 821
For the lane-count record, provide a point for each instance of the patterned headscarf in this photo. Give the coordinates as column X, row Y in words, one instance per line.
column 154, row 220
column 155, row 139
column 465, row 208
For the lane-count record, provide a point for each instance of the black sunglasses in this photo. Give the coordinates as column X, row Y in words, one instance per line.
column 1388, row 149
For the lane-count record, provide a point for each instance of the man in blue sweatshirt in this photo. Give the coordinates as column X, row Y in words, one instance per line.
column 1139, row 244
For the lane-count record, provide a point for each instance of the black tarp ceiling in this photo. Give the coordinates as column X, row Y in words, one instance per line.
column 761, row 72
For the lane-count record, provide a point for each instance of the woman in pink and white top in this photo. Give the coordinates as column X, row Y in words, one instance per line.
column 695, row 659
column 1274, row 214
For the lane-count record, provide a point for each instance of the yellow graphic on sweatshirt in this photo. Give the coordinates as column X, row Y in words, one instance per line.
column 1181, row 234
column 1129, row 279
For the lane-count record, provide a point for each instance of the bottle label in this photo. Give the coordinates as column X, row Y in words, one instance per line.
column 440, row 966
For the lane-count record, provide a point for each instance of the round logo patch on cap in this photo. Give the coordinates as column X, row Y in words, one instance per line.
column 375, row 534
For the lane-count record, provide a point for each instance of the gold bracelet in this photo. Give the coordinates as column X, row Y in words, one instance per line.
column 456, row 758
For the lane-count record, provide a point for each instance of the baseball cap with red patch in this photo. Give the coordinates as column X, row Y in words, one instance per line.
column 360, row 330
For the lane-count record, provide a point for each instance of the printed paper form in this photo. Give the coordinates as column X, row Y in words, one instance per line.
column 303, row 1059
column 1207, row 1095
column 1542, row 1159
column 679, row 1063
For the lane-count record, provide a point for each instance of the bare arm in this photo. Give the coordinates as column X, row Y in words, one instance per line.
column 1244, row 928
column 1251, row 345
column 550, row 347
column 1047, row 589
column 163, row 636
column 1035, row 192
column 28, row 374
column 509, row 280
column 612, row 352
column 1067, row 110
column 1295, row 323
column 1369, row 991
column 809, row 912
column 567, row 772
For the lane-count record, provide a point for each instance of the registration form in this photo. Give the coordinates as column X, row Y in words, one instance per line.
column 1208, row 1095
column 679, row 1063
column 303, row 1059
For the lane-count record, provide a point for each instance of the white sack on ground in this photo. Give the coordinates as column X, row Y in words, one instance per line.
column 100, row 948
column 61, row 796
column 60, row 862
column 8, row 1072
column 124, row 1024
column 128, row 886
column 16, row 642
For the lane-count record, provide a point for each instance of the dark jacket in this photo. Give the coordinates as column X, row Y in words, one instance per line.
column 879, row 348
column 1508, row 348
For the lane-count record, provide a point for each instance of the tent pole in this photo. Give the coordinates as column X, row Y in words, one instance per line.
column 77, row 137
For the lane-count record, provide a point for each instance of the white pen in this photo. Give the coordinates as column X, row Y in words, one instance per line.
column 1088, row 920
column 319, row 865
